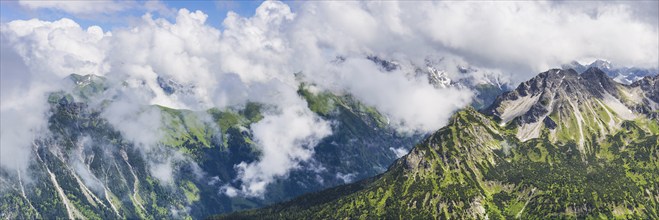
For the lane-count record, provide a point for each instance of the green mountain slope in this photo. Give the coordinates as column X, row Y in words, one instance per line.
column 562, row 145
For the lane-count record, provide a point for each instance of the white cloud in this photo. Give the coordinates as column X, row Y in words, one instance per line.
column 522, row 38
column 136, row 122
column 285, row 140
column 78, row 6
column 142, row 53
column 159, row 7
column 77, row 162
column 22, row 117
column 57, row 48
column 538, row 36
column 410, row 103
column 347, row 178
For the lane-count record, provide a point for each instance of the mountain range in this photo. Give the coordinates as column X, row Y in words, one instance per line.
column 621, row 74
column 561, row 145
column 490, row 160
column 86, row 168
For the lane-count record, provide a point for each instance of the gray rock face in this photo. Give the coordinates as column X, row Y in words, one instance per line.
column 650, row 85
column 549, row 123
column 546, row 86
column 650, row 88
column 567, row 91
column 169, row 86
column 385, row 65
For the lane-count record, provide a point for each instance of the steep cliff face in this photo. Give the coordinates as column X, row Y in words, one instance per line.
column 642, row 96
column 595, row 154
column 84, row 169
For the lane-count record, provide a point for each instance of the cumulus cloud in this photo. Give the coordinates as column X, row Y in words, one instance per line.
column 256, row 58
column 142, row 53
column 56, row 48
column 137, row 123
column 411, row 104
column 285, row 139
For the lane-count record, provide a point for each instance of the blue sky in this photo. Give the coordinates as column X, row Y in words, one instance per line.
column 216, row 11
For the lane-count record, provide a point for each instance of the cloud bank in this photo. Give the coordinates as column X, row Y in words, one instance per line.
column 256, row 58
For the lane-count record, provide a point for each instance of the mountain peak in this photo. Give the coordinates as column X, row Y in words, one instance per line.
column 83, row 80
column 601, row 64
column 169, row 86
column 594, row 73
column 598, row 82
column 569, row 105
column 88, row 85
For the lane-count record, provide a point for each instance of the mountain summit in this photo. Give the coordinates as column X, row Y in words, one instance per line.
column 571, row 105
